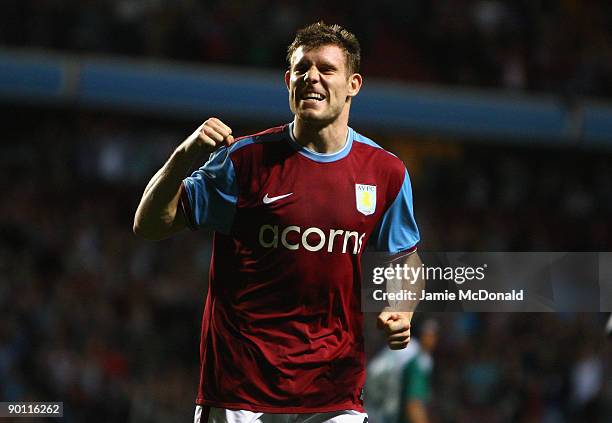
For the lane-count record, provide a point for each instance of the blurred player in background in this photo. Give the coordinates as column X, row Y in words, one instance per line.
column 415, row 391
column 399, row 385
column 293, row 208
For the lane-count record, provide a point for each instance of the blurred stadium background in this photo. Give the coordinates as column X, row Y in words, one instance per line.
column 501, row 110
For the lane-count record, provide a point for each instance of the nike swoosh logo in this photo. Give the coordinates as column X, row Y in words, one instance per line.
column 268, row 200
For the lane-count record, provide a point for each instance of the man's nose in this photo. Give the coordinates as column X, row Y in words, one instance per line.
column 311, row 75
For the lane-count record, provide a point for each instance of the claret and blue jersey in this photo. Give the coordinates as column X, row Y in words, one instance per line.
column 282, row 327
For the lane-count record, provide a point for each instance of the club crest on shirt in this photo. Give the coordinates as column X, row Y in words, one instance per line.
column 366, row 198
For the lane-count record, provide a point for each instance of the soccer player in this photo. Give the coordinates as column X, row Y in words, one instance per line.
column 292, row 209
column 399, row 382
column 415, row 391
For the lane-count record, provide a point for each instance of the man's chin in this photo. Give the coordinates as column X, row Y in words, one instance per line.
column 313, row 117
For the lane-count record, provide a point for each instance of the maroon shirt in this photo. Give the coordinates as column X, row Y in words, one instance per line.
column 282, row 329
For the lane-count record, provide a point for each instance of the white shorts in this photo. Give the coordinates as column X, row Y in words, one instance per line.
column 222, row 415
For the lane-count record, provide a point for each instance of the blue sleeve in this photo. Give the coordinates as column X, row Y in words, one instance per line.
column 397, row 231
column 209, row 195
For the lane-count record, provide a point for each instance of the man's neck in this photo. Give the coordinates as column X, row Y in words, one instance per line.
column 325, row 139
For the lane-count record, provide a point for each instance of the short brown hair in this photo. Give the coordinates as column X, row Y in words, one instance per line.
column 320, row 34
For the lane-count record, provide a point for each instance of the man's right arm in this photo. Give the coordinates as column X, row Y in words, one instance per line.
column 157, row 216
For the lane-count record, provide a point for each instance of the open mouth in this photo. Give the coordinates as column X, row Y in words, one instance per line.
column 313, row 96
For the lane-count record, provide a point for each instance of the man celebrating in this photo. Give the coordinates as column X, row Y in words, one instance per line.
column 293, row 208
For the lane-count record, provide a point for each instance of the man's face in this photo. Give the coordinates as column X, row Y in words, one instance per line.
column 319, row 84
column 428, row 340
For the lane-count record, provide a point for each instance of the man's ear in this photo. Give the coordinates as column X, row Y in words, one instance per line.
column 287, row 78
column 355, row 81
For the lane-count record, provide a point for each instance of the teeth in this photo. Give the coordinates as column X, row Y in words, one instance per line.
column 315, row 96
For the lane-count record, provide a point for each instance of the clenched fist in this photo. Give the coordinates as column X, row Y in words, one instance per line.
column 396, row 325
column 210, row 135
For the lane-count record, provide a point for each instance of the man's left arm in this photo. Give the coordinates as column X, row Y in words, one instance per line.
column 396, row 318
column 397, row 232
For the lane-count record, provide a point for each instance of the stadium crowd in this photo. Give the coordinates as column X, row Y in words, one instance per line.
column 109, row 324
column 560, row 47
